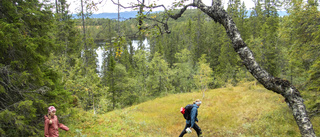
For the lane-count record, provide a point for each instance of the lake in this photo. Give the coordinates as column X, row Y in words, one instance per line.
column 100, row 50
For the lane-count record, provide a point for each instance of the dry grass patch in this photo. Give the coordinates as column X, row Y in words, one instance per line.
column 246, row 110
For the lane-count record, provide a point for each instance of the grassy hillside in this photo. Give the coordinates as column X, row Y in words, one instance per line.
column 246, row 110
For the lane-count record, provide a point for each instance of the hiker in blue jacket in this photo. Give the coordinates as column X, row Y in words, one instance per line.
column 190, row 123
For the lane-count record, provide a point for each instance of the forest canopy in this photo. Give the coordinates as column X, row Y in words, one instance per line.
column 49, row 58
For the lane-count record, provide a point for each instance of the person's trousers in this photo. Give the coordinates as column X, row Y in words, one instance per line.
column 195, row 127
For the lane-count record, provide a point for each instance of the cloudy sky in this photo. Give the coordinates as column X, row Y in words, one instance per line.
column 108, row 6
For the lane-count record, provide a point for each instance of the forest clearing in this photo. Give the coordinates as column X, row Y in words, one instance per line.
column 245, row 110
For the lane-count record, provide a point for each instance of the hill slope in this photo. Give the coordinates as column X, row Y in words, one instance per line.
column 246, row 110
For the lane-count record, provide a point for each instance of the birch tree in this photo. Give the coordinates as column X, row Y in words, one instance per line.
column 203, row 77
column 218, row 14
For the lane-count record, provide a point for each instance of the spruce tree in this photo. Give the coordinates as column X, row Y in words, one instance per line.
column 159, row 78
column 183, row 71
column 28, row 85
column 111, row 80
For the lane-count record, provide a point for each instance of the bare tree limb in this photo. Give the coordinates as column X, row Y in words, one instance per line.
column 10, row 106
column 12, row 91
column 178, row 15
column 139, row 5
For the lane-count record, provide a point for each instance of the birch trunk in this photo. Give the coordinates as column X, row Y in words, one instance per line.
column 277, row 85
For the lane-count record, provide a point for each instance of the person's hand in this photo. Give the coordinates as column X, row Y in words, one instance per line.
column 49, row 117
column 188, row 130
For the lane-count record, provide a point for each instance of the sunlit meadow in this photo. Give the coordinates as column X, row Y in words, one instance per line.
column 245, row 110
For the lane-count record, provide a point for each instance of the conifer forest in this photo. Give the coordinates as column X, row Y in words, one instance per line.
column 51, row 57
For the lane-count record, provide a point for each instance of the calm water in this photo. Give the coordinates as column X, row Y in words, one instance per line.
column 100, row 50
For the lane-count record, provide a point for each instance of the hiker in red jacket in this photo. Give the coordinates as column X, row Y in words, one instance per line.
column 51, row 123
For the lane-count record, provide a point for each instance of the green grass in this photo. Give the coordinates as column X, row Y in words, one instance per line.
column 245, row 110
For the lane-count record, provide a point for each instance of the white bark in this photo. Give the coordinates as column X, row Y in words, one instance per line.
column 280, row 86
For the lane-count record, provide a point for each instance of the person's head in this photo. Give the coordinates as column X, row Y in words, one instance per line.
column 197, row 102
column 52, row 110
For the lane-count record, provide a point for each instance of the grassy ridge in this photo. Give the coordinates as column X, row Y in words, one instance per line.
column 245, row 110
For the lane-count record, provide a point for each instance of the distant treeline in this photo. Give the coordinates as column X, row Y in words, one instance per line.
column 50, row 58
